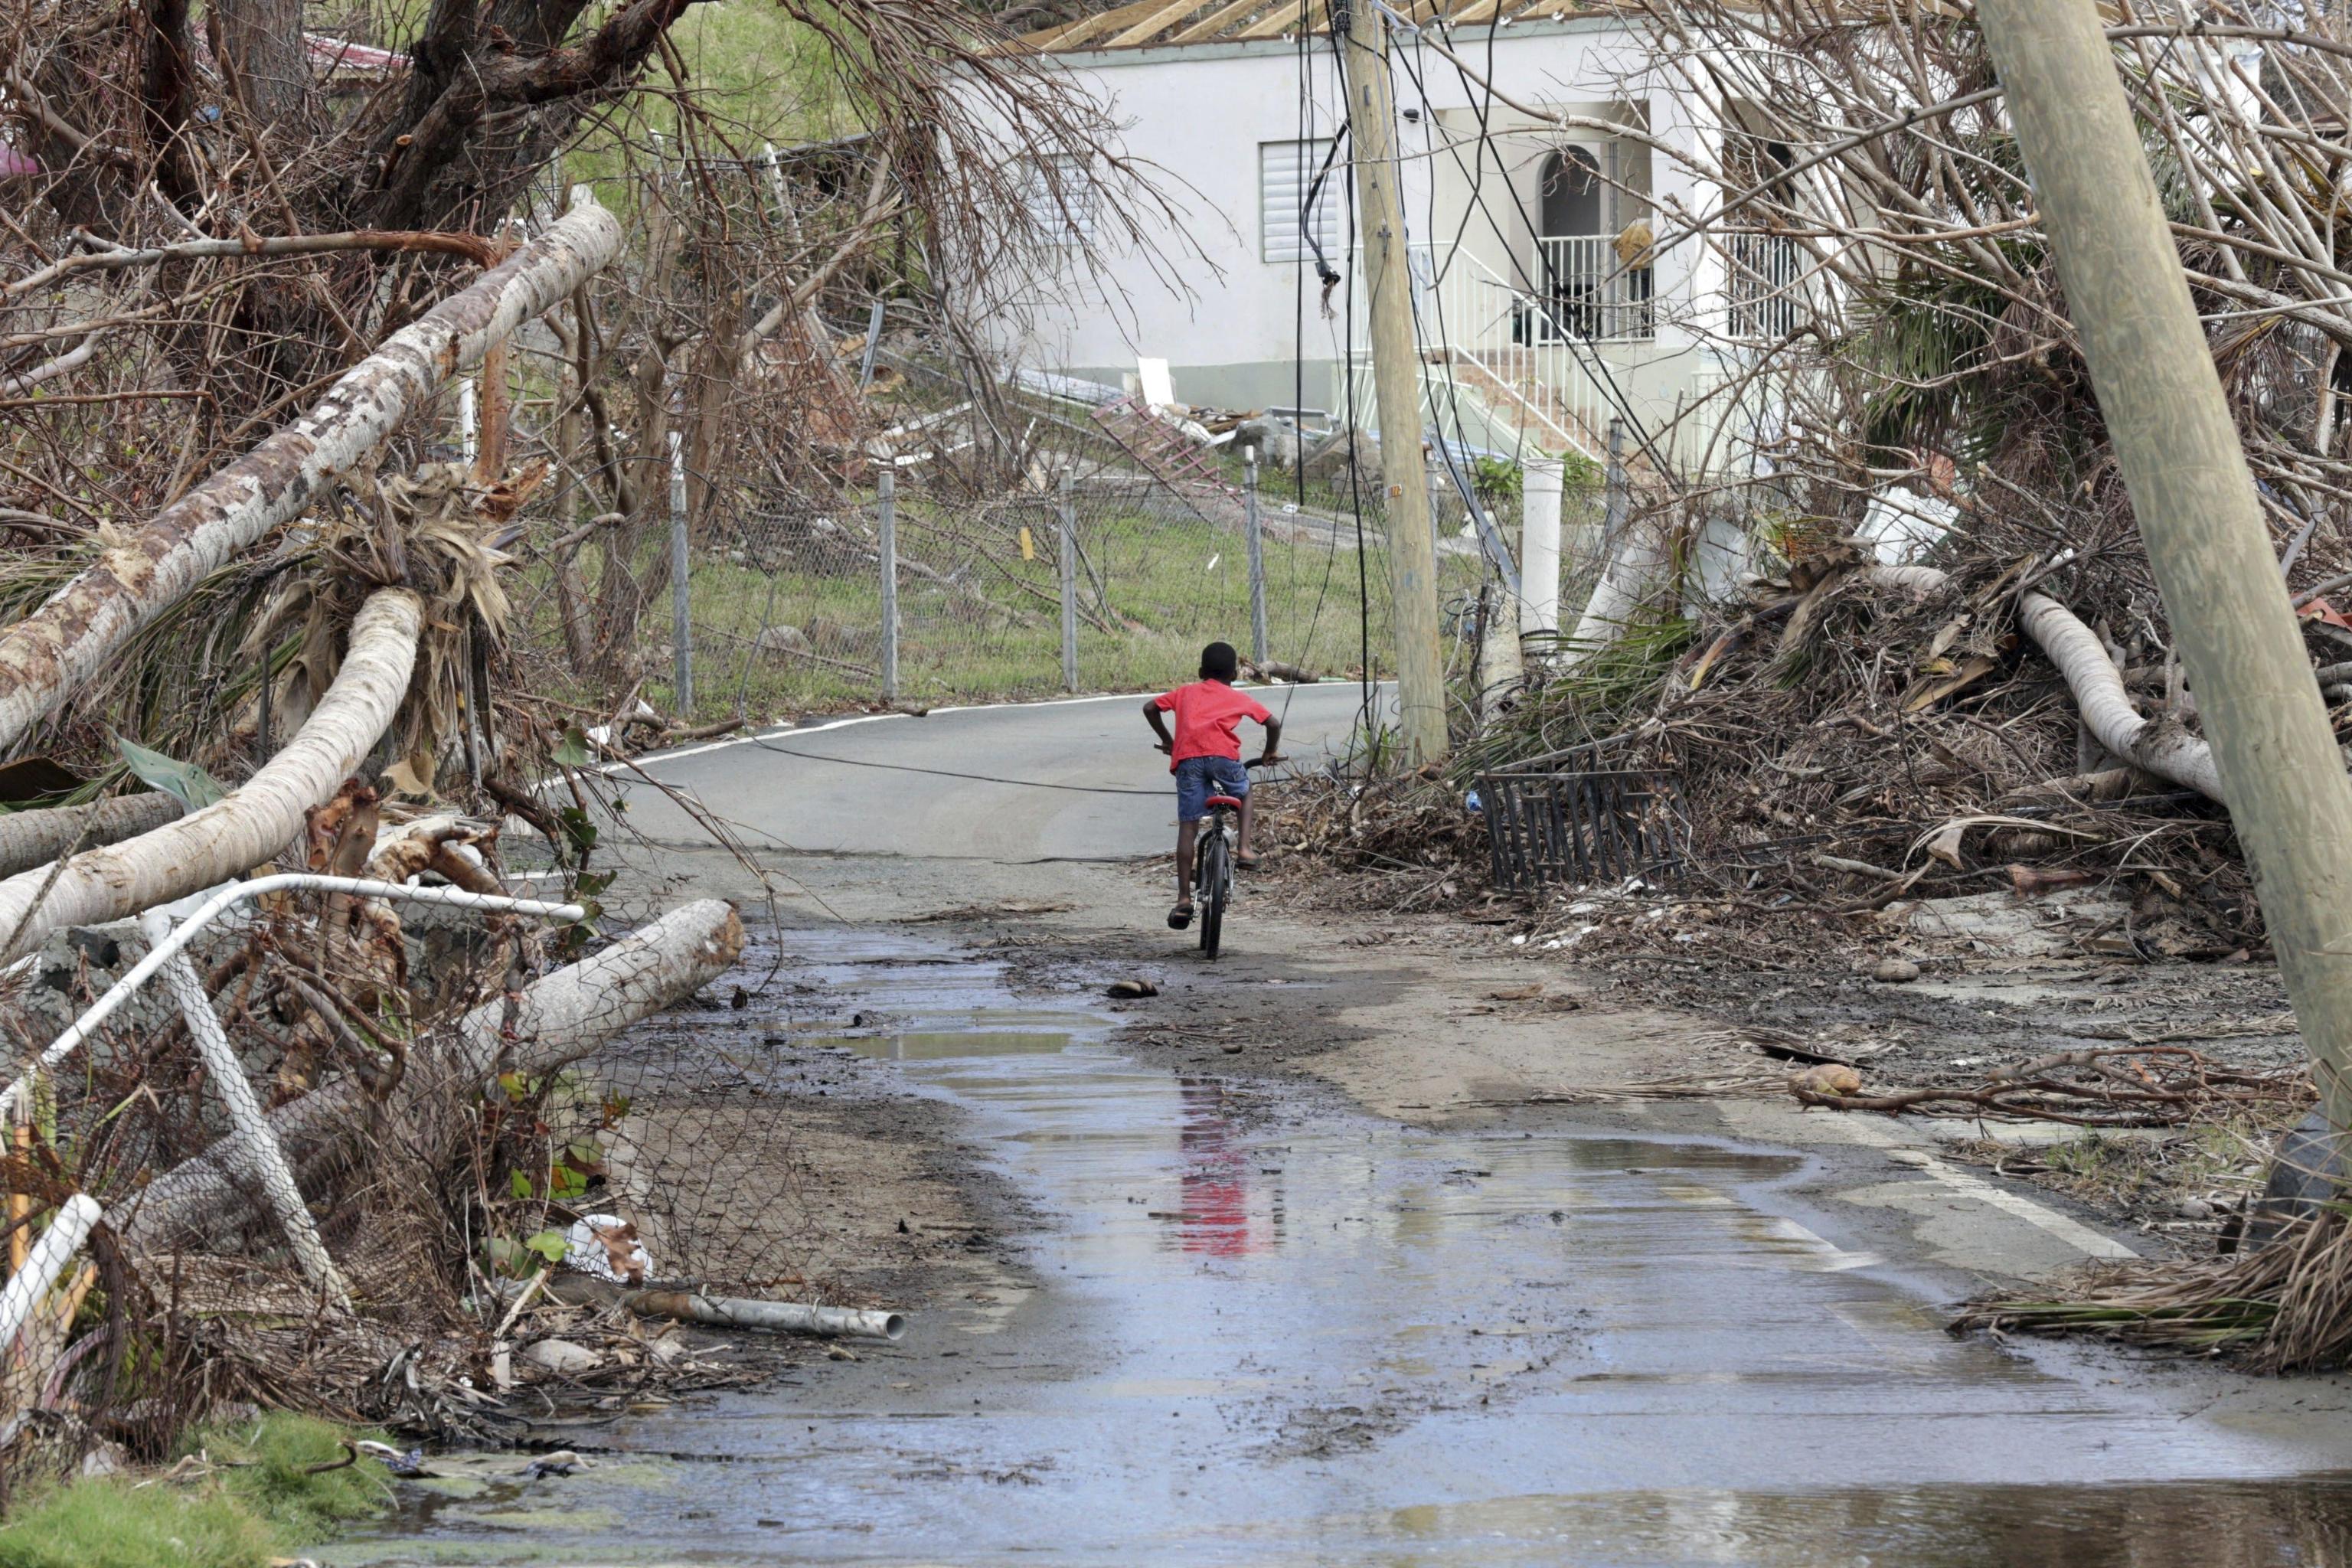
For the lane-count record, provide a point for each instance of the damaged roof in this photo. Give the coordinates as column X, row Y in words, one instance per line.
column 1149, row 23
column 1146, row 24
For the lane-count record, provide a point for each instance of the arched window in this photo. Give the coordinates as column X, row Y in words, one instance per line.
column 1571, row 193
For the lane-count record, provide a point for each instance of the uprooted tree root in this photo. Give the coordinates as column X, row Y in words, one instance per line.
column 2286, row 1307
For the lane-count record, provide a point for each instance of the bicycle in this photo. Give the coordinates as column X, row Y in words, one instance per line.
column 1212, row 866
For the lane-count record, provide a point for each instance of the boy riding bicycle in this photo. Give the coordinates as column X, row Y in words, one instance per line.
column 1205, row 756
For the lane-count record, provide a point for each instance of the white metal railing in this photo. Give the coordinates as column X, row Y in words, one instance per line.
column 1764, row 285
column 1473, row 328
column 1584, row 289
column 1524, row 346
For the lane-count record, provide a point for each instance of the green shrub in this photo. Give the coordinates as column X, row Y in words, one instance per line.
column 262, row 1502
column 109, row 1524
column 274, row 1479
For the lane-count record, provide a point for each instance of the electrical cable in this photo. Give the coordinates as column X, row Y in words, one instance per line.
column 1588, row 357
column 767, row 745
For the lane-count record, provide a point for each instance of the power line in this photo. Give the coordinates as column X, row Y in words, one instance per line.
column 1588, row 357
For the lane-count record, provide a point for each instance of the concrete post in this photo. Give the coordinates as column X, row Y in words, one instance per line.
column 886, row 511
column 1539, row 501
column 1254, row 525
column 681, row 603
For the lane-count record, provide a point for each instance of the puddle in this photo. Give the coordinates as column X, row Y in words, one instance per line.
column 1284, row 1338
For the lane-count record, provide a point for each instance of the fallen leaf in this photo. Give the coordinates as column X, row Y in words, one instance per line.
column 1830, row 1078
column 2322, row 611
column 1515, row 993
column 1927, row 693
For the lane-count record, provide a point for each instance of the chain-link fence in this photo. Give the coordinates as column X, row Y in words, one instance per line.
column 422, row 1157
column 971, row 552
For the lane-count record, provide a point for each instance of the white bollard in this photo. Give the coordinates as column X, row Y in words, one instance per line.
column 48, row 1259
column 1539, row 546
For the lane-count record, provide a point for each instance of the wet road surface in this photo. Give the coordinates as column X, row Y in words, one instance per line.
column 963, row 783
column 1271, row 1331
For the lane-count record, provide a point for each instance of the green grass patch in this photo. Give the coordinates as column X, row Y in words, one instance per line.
column 261, row 1504
column 980, row 620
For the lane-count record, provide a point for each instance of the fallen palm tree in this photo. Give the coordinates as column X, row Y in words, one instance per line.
column 30, row 838
column 260, row 818
column 63, row 645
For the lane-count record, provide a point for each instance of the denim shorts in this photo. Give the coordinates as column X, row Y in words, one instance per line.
column 1195, row 777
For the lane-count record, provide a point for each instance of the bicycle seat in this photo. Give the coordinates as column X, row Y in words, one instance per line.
column 1225, row 802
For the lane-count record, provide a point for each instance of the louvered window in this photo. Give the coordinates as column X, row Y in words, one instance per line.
column 1060, row 196
column 1285, row 170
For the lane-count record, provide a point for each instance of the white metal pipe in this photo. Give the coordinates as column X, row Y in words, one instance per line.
column 784, row 1317
column 122, row 990
column 255, row 1147
column 48, row 1259
column 1539, row 496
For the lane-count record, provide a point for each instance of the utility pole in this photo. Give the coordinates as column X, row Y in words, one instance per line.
column 1396, row 376
column 2194, row 498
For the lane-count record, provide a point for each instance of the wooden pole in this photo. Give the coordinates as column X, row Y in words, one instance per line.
column 2179, row 449
column 20, row 1207
column 1396, row 377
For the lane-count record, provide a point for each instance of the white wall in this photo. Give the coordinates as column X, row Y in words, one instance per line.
column 1198, row 114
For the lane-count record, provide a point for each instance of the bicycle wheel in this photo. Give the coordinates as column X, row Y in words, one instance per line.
column 1214, row 879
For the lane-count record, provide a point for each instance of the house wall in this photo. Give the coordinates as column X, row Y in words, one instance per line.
column 1239, row 331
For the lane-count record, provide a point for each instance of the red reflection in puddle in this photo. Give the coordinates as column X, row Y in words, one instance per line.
column 1215, row 1176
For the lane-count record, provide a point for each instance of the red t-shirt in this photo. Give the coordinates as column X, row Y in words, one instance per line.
column 1208, row 715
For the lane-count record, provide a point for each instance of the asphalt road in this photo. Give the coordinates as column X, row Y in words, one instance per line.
column 1075, row 780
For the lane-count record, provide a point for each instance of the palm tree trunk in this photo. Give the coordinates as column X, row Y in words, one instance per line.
column 71, row 639
column 261, row 817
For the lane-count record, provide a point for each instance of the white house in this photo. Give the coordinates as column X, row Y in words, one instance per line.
column 1553, row 291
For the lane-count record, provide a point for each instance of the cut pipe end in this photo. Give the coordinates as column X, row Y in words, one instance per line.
column 894, row 1326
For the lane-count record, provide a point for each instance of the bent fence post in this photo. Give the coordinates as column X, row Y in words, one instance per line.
column 257, row 1147
column 139, row 974
column 49, row 1256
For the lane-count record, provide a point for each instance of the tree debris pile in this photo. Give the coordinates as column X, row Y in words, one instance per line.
column 2283, row 1307
column 497, row 1153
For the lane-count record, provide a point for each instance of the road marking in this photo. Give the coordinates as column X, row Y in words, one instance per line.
column 2073, row 1233
column 1288, row 689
